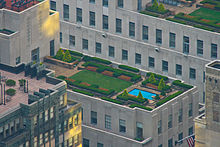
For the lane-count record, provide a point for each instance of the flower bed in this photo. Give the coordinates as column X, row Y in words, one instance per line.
column 123, row 77
column 91, row 68
column 107, row 73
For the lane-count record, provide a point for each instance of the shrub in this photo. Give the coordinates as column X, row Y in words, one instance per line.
column 67, row 57
column 149, row 13
column 128, row 68
column 161, row 8
column 161, row 84
column 125, row 93
column 158, row 76
column 59, row 54
column 168, row 98
column 140, row 96
column 163, row 93
column 10, row 92
column 155, row 5
column 83, row 92
column 95, row 86
column 76, row 53
column 152, row 79
column 140, row 106
column 61, row 77
column 157, row 97
column 126, row 98
column 10, row 82
column 180, row 84
column 22, row 82
column 95, row 59
column 112, row 100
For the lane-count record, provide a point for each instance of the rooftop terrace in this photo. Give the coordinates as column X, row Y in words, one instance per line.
column 115, row 83
column 203, row 14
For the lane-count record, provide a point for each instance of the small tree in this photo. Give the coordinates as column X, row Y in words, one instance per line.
column 67, row 57
column 161, row 85
column 125, row 93
column 59, row 54
column 161, row 8
column 152, row 78
column 140, row 96
column 155, row 5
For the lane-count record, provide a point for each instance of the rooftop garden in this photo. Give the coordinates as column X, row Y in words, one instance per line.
column 207, row 16
column 97, row 77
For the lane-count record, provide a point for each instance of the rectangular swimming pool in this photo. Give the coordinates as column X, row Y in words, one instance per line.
column 145, row 94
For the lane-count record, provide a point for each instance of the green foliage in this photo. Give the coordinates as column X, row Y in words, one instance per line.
column 157, row 97
column 10, row 82
column 152, row 79
column 161, row 8
column 59, row 54
column 140, row 106
column 128, row 68
column 161, row 84
column 67, row 57
column 74, row 53
column 140, row 96
column 95, row 59
column 149, row 13
column 180, row 84
column 112, row 100
column 22, row 82
column 126, row 98
column 83, row 92
column 168, row 98
column 165, row 78
column 163, row 93
column 155, row 5
column 125, row 93
column 10, row 92
column 61, row 77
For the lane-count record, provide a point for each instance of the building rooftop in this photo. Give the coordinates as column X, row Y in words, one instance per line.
column 120, row 84
column 20, row 96
column 203, row 14
column 18, row 5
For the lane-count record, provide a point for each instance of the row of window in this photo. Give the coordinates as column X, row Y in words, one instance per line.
column 72, row 141
column 43, row 138
column 9, row 128
column 47, row 114
column 86, row 143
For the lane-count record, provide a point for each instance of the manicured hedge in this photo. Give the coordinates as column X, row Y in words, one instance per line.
column 10, row 92
column 117, row 72
column 165, row 78
column 126, row 98
column 61, row 77
column 83, row 92
column 71, row 61
column 76, row 53
column 10, row 82
column 77, row 84
column 149, row 13
column 168, row 98
column 167, row 87
column 95, row 59
column 179, row 83
column 140, row 106
column 128, row 68
column 157, row 11
column 176, row 20
column 112, row 100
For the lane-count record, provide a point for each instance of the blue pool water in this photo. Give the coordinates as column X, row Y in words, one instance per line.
column 145, row 94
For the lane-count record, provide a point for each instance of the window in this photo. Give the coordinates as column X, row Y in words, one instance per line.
column 160, row 145
column 61, row 99
column 145, row 32
column 94, row 117
column 105, row 3
column 65, row 12
column 190, row 131
column 51, row 134
column 120, row 3
column 52, row 48
column 122, row 126
column 105, row 22
column 124, row 55
column 164, row 66
column 137, row 58
column 180, row 137
column 170, row 120
column 41, row 139
column 71, row 40
column 61, row 37
column 100, row 145
column 108, row 122
column 35, row 120
column 35, row 141
column 91, row 18
column 46, row 115
column 172, row 43
column 159, row 127
column 199, row 47
column 185, row 44
column 118, row 25
column 215, row 116
column 79, row 15
column 214, row 50
column 46, row 137
column 98, row 47
column 92, row 1
column 190, row 112
column 18, row 60
column 76, row 119
column 139, row 130
column 35, row 55
column 151, row 62
column 158, row 36
column 131, row 29
column 53, row 5
column 85, row 44
column 192, row 73
column 180, row 115
column 111, row 51
column 170, row 142
column 178, row 70
column 51, row 112
column 85, row 142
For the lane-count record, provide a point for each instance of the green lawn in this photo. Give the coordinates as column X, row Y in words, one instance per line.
column 207, row 14
column 101, row 80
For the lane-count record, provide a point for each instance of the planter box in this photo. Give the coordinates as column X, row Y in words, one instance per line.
column 60, row 63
